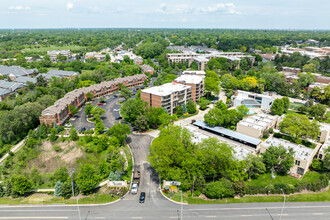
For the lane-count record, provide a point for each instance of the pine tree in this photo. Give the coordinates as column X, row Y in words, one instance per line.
column 58, row 189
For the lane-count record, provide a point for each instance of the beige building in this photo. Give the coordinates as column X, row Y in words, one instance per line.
column 325, row 132
column 167, row 96
column 197, row 85
column 54, row 53
column 303, row 155
column 255, row 125
column 97, row 55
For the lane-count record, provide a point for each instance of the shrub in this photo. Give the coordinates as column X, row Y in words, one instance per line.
column 219, row 189
column 58, row 189
column 57, row 148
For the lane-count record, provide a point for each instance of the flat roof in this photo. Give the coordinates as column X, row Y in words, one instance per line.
column 190, row 79
column 194, row 72
column 229, row 133
column 166, row 89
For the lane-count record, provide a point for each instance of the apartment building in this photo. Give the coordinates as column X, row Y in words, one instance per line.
column 97, row 55
column 54, row 53
column 167, row 96
column 197, row 85
column 325, row 132
column 59, row 112
column 16, row 71
column 202, row 59
column 63, row 74
column 321, row 154
column 291, row 70
column 147, row 69
column 256, row 125
column 317, row 85
column 252, row 100
column 303, row 156
column 194, row 73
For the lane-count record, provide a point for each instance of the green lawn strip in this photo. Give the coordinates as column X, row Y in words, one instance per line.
column 295, row 106
column 45, row 49
column 94, row 199
column 318, row 197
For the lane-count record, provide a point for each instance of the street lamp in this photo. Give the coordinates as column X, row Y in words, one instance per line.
column 181, row 207
column 71, row 173
column 78, row 206
column 283, row 204
column 272, row 176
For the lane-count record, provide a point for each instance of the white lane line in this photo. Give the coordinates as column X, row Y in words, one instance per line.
column 211, row 216
column 37, row 210
column 136, row 217
column 282, row 214
column 173, row 216
column 246, row 215
column 33, row 217
column 289, row 207
column 99, row 217
column 318, row 213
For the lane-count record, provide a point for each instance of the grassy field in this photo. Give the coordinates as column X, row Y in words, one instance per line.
column 45, row 49
column 40, row 198
column 318, row 197
column 295, row 105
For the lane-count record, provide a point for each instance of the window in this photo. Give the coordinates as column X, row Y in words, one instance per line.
column 297, row 162
column 48, row 117
column 300, row 171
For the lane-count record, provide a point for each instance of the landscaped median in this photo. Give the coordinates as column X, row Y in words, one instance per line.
column 308, row 197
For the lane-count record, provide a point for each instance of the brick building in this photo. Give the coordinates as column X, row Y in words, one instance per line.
column 197, row 85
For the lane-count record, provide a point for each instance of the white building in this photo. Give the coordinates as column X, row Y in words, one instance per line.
column 252, row 100
column 303, row 156
column 54, row 53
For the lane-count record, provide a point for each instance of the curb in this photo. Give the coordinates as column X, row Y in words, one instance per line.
column 171, row 200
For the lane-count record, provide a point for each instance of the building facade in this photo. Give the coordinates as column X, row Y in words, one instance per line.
column 197, row 85
column 252, row 100
column 54, row 53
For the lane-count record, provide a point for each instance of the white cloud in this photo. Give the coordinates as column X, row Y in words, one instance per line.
column 227, row 8
column 163, row 7
column 69, row 6
column 18, row 8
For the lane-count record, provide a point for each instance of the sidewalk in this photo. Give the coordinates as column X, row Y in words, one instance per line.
column 13, row 149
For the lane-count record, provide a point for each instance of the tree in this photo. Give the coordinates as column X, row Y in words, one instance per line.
column 326, row 160
column 61, row 174
column 132, row 108
column 243, row 109
column 254, row 165
column 97, row 112
column 53, row 133
column 88, row 109
column 120, row 131
column 73, row 134
column 125, row 93
column 219, row 189
column 73, row 109
column 178, row 110
column 279, row 159
column 20, row 184
column 36, row 177
column 203, row 103
column 99, row 126
column 58, row 189
column 316, row 164
column 299, row 126
column 89, row 96
column 277, row 107
column 66, row 190
column 310, row 68
column 141, row 123
column 306, row 79
column 191, row 107
column 286, row 103
column 317, row 110
column 114, row 176
column 87, row 179
column 107, row 58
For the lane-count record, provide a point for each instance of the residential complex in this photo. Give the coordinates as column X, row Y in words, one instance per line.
column 303, row 156
column 59, row 74
column 256, row 125
column 59, row 112
column 252, row 100
column 167, row 96
column 54, row 53
column 202, row 59
column 15, row 71
column 147, row 69
column 196, row 82
column 97, row 55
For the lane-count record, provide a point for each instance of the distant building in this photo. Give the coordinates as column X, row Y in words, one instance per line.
column 256, row 125
column 147, row 69
column 194, row 73
column 15, row 71
column 24, row 80
column 98, row 56
column 252, row 100
column 317, row 85
column 167, row 96
column 196, row 82
column 138, row 60
column 324, row 147
column 60, row 74
column 4, row 93
column 303, row 155
column 291, row 70
column 12, row 86
column 54, row 53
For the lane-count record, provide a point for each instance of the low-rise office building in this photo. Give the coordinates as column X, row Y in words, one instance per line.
column 303, row 156
column 167, row 96
column 54, row 53
column 252, row 100
column 196, row 82
column 256, row 125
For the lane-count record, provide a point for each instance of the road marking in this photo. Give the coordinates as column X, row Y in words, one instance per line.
column 211, row 216
column 137, row 217
column 289, row 207
column 246, row 215
column 33, row 217
column 99, row 217
column 318, row 213
column 174, row 217
column 282, row 214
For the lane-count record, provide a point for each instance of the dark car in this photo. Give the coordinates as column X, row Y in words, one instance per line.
column 142, row 197
column 82, row 129
column 99, row 103
column 119, row 117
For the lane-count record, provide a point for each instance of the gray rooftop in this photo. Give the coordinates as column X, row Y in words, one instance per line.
column 10, row 85
column 229, row 133
column 16, row 71
column 25, row 79
column 63, row 73
column 4, row 91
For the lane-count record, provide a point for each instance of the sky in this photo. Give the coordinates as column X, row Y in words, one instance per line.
column 242, row 14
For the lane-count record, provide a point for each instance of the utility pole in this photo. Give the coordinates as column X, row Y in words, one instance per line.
column 272, row 176
column 71, row 173
column 181, row 207
column 78, row 206
column 283, row 204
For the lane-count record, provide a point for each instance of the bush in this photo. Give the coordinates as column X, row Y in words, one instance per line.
column 271, row 130
column 219, row 189
column 57, row 148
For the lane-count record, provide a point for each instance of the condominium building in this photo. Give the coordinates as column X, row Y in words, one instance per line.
column 16, row 71
column 321, row 154
column 167, row 96
column 97, row 55
column 147, row 69
column 303, row 156
column 54, row 53
column 59, row 112
column 252, row 100
column 196, row 82
column 194, row 73
column 317, row 85
column 256, row 125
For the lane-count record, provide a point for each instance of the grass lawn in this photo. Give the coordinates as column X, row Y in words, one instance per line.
column 263, row 180
column 318, row 197
column 295, row 105
column 53, row 47
column 40, row 198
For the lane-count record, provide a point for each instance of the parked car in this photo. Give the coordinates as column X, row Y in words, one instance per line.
column 142, row 197
column 134, row 188
column 82, row 129
column 116, row 109
column 68, row 125
column 119, row 117
column 99, row 103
